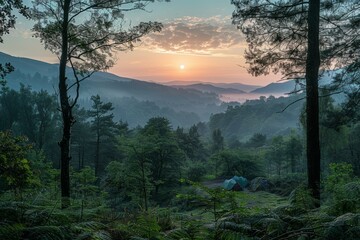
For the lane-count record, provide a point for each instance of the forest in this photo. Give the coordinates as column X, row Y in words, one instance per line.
column 163, row 163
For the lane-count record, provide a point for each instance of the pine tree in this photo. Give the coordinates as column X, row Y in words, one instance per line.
column 102, row 124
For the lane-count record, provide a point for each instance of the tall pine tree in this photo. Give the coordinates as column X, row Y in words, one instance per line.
column 102, row 124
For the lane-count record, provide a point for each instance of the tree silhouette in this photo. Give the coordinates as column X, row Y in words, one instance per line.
column 284, row 37
column 84, row 34
column 8, row 20
column 102, row 124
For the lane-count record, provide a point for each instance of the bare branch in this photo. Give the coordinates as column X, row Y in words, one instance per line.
column 298, row 100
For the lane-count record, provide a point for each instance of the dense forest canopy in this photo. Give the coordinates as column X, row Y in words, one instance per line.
column 86, row 154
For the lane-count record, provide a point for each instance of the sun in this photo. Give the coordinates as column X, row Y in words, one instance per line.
column 182, row 67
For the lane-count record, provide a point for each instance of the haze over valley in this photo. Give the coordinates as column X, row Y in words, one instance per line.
column 135, row 101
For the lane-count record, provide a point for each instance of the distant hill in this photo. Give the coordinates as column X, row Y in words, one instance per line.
column 259, row 116
column 30, row 66
column 238, row 86
column 282, row 88
column 276, row 88
column 209, row 88
column 41, row 75
column 136, row 101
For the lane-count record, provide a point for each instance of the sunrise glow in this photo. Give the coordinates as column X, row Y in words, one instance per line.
column 192, row 46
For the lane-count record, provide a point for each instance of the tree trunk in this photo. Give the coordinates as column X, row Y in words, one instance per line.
column 312, row 100
column 66, row 112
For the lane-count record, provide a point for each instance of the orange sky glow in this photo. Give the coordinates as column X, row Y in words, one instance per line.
column 205, row 42
column 165, row 67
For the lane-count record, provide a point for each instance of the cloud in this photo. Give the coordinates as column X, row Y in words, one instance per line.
column 193, row 35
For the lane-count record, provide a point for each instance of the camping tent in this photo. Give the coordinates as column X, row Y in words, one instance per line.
column 260, row 184
column 241, row 180
column 235, row 183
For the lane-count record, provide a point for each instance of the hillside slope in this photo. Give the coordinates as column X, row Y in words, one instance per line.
column 41, row 75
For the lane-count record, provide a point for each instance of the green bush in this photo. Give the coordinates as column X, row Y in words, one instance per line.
column 344, row 227
column 342, row 191
column 284, row 185
column 301, row 198
column 346, row 199
column 340, row 174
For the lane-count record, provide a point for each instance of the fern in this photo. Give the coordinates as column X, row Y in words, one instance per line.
column 91, row 225
column 301, row 198
column 353, row 232
column 90, row 231
column 98, row 235
column 146, row 226
column 10, row 214
column 273, row 226
column 46, row 233
column 234, row 227
column 179, row 234
column 343, row 227
column 11, row 231
column 230, row 235
column 190, row 230
column 346, row 199
column 138, row 238
column 164, row 219
column 25, row 221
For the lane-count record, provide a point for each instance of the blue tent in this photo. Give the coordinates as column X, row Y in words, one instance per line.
column 241, row 180
column 229, row 184
column 235, row 183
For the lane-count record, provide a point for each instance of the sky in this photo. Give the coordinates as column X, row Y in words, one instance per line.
column 198, row 43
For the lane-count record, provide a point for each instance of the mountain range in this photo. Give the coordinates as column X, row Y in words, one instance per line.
column 135, row 101
column 146, row 99
column 126, row 87
column 183, row 103
column 209, row 88
column 277, row 88
column 239, row 86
